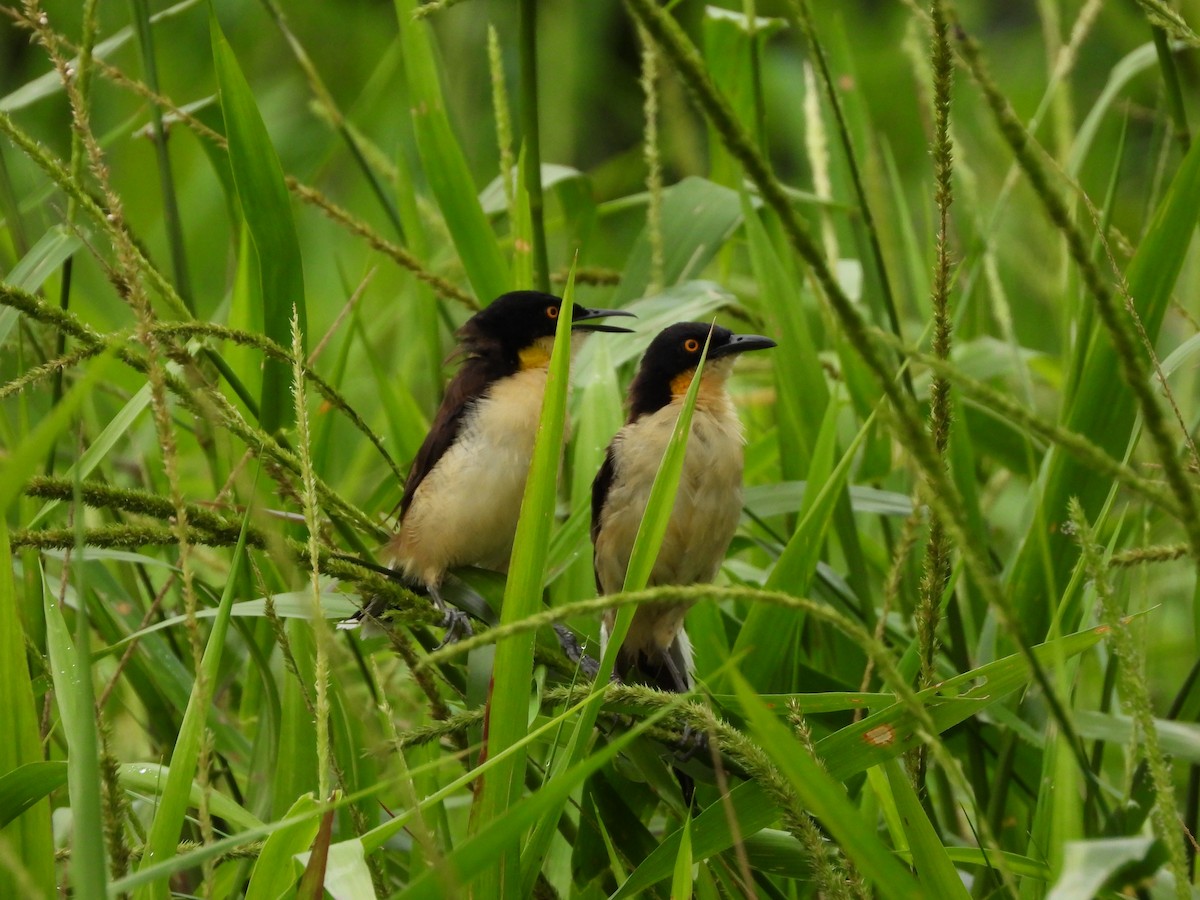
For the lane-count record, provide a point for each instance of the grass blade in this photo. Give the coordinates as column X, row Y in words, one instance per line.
column 508, row 719
column 1101, row 408
column 163, row 837
column 934, row 868
column 651, row 531
column 826, row 800
column 29, row 836
column 267, row 211
column 445, row 165
column 70, row 666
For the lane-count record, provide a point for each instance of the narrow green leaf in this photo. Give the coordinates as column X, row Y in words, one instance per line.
column 24, row 459
column 98, row 449
column 681, row 883
column 732, row 43
column 445, row 166
column 480, row 853
column 1178, row 739
column 770, row 633
column 745, row 810
column 1131, row 65
column 163, row 837
column 509, row 715
column 647, row 542
column 76, row 705
column 785, row 497
column 150, row 779
column 267, row 210
column 44, row 259
column 25, row 785
column 779, row 853
column 934, row 869
column 891, row 731
column 826, row 800
column 1103, row 407
column 26, row 819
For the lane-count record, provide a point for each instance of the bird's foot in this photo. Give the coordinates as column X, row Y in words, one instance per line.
column 457, row 624
column 690, row 743
column 573, row 651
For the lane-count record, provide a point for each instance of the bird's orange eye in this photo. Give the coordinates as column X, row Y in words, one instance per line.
column 691, row 345
column 552, row 312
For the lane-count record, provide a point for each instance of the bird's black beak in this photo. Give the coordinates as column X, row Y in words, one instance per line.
column 582, row 314
column 740, row 343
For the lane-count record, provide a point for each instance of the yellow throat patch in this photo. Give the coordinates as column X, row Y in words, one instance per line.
column 536, row 356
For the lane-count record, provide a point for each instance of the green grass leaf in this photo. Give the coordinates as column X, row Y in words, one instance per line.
column 267, row 211
column 29, row 836
column 651, row 531
column 25, row 785
column 480, row 853
column 934, row 868
column 445, row 166
column 891, row 731
column 769, row 636
column 509, row 715
column 71, row 671
column 825, row 799
column 1103, row 408
column 163, row 837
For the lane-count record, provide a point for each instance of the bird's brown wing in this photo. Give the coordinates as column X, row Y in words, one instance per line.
column 600, row 488
column 471, row 381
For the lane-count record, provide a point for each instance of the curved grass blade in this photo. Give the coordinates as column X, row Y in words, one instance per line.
column 826, row 800
column 770, row 632
column 70, row 667
column 478, row 854
column 25, row 785
column 445, row 165
column 98, row 449
column 509, row 716
column 934, row 869
column 1103, row 408
column 651, row 531
column 29, row 836
column 267, row 211
column 163, row 838
column 150, row 779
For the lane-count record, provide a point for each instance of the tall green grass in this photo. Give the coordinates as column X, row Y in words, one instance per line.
column 953, row 649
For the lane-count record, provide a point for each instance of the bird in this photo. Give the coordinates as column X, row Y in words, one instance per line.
column 462, row 496
column 708, row 502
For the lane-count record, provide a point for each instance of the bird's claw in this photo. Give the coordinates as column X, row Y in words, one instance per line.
column 691, row 742
column 574, row 652
column 457, row 624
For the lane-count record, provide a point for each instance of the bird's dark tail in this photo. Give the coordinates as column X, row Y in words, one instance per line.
column 668, row 670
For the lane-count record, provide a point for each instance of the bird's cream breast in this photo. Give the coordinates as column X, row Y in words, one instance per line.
column 465, row 511
column 707, row 504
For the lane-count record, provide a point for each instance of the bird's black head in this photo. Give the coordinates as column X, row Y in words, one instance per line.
column 672, row 357
column 520, row 326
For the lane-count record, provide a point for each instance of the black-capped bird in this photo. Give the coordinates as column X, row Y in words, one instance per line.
column 463, row 493
column 707, row 505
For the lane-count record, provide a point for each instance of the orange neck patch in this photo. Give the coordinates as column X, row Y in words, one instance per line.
column 712, row 386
